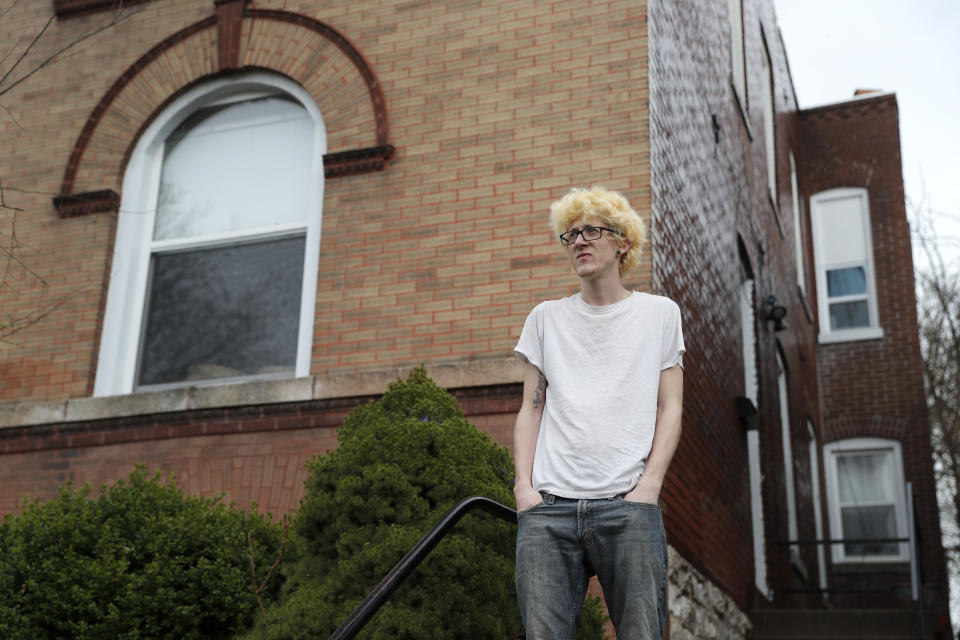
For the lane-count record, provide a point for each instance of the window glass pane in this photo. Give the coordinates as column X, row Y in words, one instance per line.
column 865, row 477
column 869, row 522
column 842, row 236
column 846, row 282
column 237, row 166
column 849, row 315
column 224, row 312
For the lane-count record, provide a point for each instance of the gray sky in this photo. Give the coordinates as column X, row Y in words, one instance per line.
column 911, row 48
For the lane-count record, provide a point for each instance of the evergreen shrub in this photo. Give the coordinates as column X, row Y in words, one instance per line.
column 139, row 561
column 401, row 464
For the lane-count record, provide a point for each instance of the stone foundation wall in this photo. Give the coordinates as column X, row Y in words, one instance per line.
column 699, row 610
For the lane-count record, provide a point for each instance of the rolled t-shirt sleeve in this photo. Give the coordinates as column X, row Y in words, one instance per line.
column 672, row 340
column 530, row 346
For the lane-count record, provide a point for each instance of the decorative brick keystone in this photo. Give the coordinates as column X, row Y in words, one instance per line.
column 229, row 28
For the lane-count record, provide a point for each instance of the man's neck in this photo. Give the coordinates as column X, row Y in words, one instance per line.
column 602, row 292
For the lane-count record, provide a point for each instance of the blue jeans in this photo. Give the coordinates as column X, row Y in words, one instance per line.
column 562, row 542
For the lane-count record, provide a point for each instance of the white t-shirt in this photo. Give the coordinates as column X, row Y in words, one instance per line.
column 602, row 365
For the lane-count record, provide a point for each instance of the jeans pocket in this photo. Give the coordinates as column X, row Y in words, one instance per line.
column 641, row 505
column 521, row 512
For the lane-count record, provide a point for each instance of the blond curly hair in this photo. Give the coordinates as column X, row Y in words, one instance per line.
column 610, row 207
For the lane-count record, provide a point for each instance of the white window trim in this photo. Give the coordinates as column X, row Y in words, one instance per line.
column 826, row 335
column 738, row 63
column 838, row 553
column 748, row 334
column 770, row 131
column 126, row 297
column 754, row 474
column 797, row 231
column 814, row 449
column 786, row 441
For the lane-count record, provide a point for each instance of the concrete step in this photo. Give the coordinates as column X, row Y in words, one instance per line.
column 828, row 624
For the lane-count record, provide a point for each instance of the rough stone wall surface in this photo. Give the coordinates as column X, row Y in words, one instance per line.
column 874, row 388
column 709, row 192
column 495, row 108
column 699, row 610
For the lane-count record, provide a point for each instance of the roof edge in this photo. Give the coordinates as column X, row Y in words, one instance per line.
column 855, row 101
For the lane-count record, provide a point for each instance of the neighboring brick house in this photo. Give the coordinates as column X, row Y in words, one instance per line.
column 426, row 139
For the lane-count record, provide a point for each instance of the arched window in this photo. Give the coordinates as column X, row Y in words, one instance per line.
column 214, row 271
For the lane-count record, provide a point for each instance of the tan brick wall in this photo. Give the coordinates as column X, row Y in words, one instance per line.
column 495, row 108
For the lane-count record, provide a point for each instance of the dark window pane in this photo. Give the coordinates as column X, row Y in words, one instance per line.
column 846, row 282
column 225, row 312
column 866, row 523
column 849, row 315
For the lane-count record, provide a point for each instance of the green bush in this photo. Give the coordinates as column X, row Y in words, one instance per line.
column 139, row 561
column 401, row 464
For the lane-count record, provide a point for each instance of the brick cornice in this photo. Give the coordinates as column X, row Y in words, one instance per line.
column 348, row 163
column 883, row 99
column 82, row 204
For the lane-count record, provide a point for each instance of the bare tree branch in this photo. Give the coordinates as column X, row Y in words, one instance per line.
column 26, row 50
column 118, row 17
column 938, row 317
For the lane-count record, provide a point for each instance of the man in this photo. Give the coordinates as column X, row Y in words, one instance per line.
column 598, row 426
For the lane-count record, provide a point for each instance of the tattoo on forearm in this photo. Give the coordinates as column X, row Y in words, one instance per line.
column 538, row 392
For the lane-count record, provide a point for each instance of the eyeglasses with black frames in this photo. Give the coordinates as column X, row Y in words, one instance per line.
column 589, row 234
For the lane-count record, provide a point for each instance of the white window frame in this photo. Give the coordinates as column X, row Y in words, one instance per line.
column 738, row 70
column 126, row 296
column 814, row 449
column 864, row 445
column 786, row 441
column 797, row 231
column 820, row 229
column 754, row 474
column 769, row 132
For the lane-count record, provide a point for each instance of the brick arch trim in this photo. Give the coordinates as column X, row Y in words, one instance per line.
column 344, row 162
column 890, row 427
column 328, row 32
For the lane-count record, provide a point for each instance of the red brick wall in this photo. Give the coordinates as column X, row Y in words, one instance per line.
column 874, row 388
column 707, row 190
column 252, row 454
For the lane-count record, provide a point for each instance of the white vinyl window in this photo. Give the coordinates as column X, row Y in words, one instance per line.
column 866, row 496
column 843, row 252
column 737, row 59
column 214, row 271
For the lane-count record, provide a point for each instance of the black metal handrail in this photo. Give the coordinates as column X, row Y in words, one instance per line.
column 375, row 599
column 912, row 541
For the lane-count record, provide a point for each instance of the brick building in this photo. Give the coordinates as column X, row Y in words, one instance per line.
column 407, row 152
